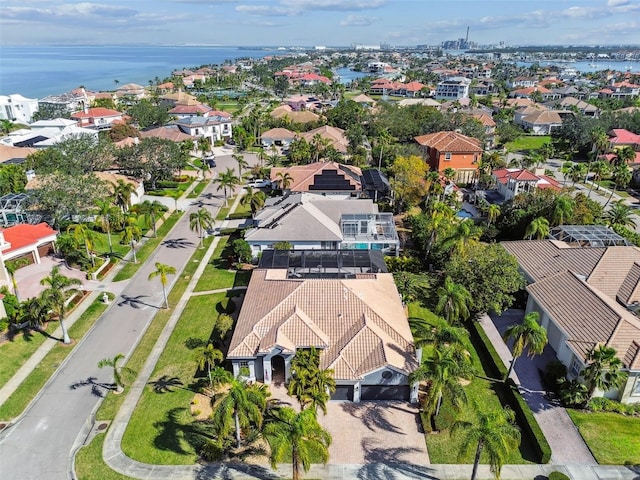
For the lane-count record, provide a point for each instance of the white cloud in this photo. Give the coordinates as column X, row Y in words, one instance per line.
column 616, row 3
column 358, row 21
column 334, row 5
column 266, row 10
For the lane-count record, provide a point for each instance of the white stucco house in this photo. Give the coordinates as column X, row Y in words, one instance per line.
column 17, row 108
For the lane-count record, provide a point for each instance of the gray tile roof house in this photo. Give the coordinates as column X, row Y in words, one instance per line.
column 586, row 296
column 313, row 221
column 357, row 323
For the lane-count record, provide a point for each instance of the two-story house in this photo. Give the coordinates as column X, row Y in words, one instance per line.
column 99, row 118
column 512, row 181
column 453, row 88
column 17, row 108
column 443, row 150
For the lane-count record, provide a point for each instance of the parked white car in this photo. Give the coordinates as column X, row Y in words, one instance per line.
column 259, row 183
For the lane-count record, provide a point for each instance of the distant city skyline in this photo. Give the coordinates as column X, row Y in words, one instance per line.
column 319, row 22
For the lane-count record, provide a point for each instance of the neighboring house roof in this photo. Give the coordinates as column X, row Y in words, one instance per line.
column 543, row 117
column 98, row 112
column 359, row 324
column 281, row 219
column 304, row 176
column 336, row 137
column 112, row 178
column 485, row 119
column 429, row 102
column 620, row 136
column 362, row 98
column 15, row 154
column 171, row 132
column 503, row 175
column 450, row 142
column 190, row 109
column 25, row 234
column 279, row 134
column 304, row 116
column 578, row 287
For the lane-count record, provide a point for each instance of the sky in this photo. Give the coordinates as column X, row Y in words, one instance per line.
column 318, row 22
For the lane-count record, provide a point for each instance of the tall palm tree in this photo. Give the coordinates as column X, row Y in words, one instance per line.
column 122, row 192
column 151, row 211
column 206, row 357
column 436, row 335
column 59, row 289
column 161, row 271
column 528, row 335
column 621, row 177
column 464, row 234
column 411, row 286
column 619, row 214
column 600, row 144
column 493, row 212
column 297, row 436
column 600, row 169
column 539, row 228
column 35, row 311
column 284, row 180
column 310, row 384
column 494, row 433
column 201, row 220
column 12, row 267
column 132, row 234
column 242, row 163
column 121, row 375
column 562, row 208
column 625, row 156
column 226, row 180
column 603, row 370
column 454, row 301
column 81, row 233
column 238, row 408
column 442, row 370
column 105, row 214
column 577, row 172
column 254, row 198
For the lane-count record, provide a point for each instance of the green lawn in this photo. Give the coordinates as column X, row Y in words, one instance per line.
column 442, row 447
column 198, row 189
column 217, row 275
column 28, row 389
column 148, row 248
column 162, row 429
column 609, row 184
column 612, row 438
column 528, row 143
column 16, row 352
column 89, row 463
column 102, row 245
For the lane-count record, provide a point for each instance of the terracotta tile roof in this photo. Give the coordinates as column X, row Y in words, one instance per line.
column 279, row 134
column 629, row 291
column 24, row 234
column 169, row 133
column 543, row 117
column 98, row 112
column 8, row 152
column 304, row 116
column 621, row 136
column 303, row 176
column 542, row 258
column 485, row 119
column 336, row 137
column 450, row 142
column 190, row 109
column 613, row 268
column 359, row 323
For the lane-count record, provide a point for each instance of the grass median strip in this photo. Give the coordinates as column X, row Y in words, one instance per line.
column 198, row 189
column 28, row 389
column 148, row 248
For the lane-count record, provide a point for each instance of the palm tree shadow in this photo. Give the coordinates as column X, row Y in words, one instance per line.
column 371, row 416
column 97, row 389
column 177, row 243
column 387, row 462
column 166, row 384
column 135, row 302
column 226, row 471
column 178, row 427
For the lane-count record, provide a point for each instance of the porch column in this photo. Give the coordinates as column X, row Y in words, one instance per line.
column 236, row 368
column 252, row 370
column 413, row 395
column 36, row 255
column 356, row 393
column 287, row 367
column 266, row 366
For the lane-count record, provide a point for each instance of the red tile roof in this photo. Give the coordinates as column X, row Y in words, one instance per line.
column 622, row 136
column 97, row 112
column 25, row 234
column 450, row 142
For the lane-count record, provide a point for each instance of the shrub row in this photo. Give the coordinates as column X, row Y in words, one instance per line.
column 602, row 404
column 510, row 395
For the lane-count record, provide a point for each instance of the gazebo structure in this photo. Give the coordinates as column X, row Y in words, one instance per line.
column 587, row 236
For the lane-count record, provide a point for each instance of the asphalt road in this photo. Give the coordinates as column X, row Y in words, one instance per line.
column 40, row 445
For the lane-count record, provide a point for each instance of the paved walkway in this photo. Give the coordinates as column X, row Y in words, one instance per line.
column 567, row 445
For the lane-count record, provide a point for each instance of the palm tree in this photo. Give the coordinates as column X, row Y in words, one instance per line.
column 82, row 233
column 600, row 143
column 619, row 214
column 603, row 370
column 526, row 335
column 161, row 271
column 238, row 408
column 464, row 234
column 539, row 228
column 493, row 432
column 454, row 301
column 442, row 370
column 411, row 286
column 600, row 169
column 621, row 178
column 105, row 214
column 297, row 436
column 284, row 180
column 577, row 172
column 310, row 384
column 207, row 357
column 12, row 267
column 226, row 179
column 562, row 208
column 122, row 192
column 436, row 335
column 132, row 234
column 201, row 220
column 625, row 156
column 120, row 374
column 493, row 212
column 151, row 211
column 35, row 311
column 254, row 198
column 242, row 163
column 59, row 290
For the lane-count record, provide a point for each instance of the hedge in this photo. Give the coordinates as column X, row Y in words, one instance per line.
column 509, row 393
